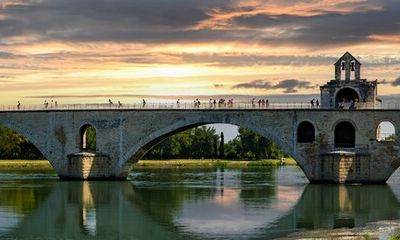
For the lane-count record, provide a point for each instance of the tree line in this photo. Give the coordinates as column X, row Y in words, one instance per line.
column 205, row 142
column 195, row 143
column 16, row 146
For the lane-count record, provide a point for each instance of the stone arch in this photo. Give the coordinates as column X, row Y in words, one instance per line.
column 86, row 143
column 385, row 131
column 32, row 138
column 144, row 145
column 305, row 132
column 347, row 94
column 344, row 134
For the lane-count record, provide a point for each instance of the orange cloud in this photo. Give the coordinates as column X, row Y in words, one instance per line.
column 222, row 18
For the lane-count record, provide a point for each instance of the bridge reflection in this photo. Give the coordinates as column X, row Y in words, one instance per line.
column 219, row 208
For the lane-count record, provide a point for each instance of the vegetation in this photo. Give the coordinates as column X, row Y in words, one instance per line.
column 15, row 146
column 90, row 135
column 202, row 142
column 196, row 143
column 188, row 163
column 25, row 165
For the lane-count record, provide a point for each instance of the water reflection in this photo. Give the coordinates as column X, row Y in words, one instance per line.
column 166, row 204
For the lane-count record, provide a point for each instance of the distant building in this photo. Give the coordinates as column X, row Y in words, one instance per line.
column 348, row 88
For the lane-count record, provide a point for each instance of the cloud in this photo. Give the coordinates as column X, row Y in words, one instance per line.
column 396, row 82
column 306, row 23
column 231, row 59
column 7, row 55
column 288, row 86
column 216, row 85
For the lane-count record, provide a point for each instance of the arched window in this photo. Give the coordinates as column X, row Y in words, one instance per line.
column 347, row 95
column 385, row 132
column 88, row 138
column 345, row 135
column 305, row 133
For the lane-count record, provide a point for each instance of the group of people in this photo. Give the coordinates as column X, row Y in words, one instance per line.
column 314, row 103
column 351, row 105
column 261, row 103
column 119, row 104
column 46, row 104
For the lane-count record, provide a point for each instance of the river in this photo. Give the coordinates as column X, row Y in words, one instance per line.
column 254, row 203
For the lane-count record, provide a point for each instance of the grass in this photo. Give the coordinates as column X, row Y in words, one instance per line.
column 212, row 163
column 44, row 165
column 25, row 165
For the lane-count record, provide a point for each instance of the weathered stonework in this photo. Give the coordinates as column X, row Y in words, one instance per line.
column 362, row 92
column 126, row 135
column 87, row 165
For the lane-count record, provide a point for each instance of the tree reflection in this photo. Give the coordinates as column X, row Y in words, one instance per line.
column 160, row 204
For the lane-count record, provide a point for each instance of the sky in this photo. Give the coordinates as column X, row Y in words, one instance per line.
column 88, row 51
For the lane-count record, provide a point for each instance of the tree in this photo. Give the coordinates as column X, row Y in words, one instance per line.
column 204, row 142
column 215, row 147
column 221, row 147
column 15, row 146
column 91, row 138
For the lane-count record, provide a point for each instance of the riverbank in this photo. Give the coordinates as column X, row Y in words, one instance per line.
column 44, row 165
column 25, row 165
column 376, row 230
column 213, row 163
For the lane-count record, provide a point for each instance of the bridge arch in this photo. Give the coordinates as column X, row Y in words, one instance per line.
column 137, row 151
column 305, row 132
column 345, row 134
column 87, row 137
column 386, row 131
column 32, row 138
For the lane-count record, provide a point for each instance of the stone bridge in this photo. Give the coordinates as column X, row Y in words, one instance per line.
column 330, row 145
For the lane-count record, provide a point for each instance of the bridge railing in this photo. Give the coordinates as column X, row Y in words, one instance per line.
column 187, row 106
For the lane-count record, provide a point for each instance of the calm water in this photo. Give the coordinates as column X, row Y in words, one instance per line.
column 187, row 204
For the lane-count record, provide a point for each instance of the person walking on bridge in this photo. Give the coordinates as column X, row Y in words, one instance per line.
column 18, row 105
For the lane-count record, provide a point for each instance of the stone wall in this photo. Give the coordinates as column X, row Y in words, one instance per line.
column 123, row 136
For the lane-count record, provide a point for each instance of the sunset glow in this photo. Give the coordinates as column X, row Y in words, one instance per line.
column 78, row 50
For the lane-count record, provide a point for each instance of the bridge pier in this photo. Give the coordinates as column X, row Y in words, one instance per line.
column 90, row 166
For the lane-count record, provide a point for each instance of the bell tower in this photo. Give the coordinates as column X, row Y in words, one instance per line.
column 348, row 64
column 348, row 90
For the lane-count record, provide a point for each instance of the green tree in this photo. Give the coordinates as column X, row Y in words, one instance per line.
column 215, row 147
column 10, row 143
column 15, row 146
column 91, row 138
column 202, row 142
column 222, row 147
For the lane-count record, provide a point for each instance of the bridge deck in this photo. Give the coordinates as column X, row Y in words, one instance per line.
column 191, row 106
